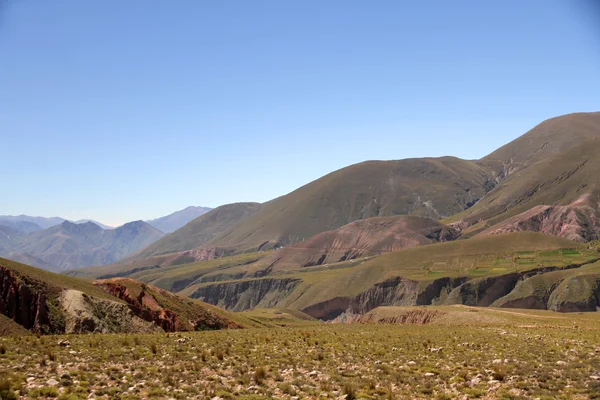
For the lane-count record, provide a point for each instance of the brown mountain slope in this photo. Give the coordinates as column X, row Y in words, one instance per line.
column 201, row 230
column 429, row 187
column 361, row 238
column 548, row 139
column 555, row 163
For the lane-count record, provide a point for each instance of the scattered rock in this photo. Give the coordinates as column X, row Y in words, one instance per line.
column 475, row 381
column 52, row 382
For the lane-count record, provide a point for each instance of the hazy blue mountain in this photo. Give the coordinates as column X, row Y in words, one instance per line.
column 28, row 224
column 69, row 245
column 21, row 226
column 100, row 224
column 43, row 222
column 172, row 222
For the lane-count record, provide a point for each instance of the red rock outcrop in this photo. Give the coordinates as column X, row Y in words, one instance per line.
column 579, row 221
column 146, row 306
column 20, row 302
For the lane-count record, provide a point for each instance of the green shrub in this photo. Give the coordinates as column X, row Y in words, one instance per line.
column 6, row 392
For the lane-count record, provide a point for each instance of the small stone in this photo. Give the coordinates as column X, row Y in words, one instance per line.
column 497, row 361
column 594, row 377
column 52, row 382
column 411, row 363
column 30, row 379
column 475, row 381
column 428, row 374
column 561, row 363
column 313, row 373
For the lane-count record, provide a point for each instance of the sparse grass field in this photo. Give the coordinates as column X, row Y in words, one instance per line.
column 499, row 354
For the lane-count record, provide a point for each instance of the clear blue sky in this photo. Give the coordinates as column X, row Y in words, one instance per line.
column 122, row 110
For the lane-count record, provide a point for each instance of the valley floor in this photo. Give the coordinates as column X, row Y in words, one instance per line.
column 465, row 353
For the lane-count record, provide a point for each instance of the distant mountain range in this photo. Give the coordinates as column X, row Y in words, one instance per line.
column 69, row 245
column 28, row 224
column 57, row 244
column 166, row 224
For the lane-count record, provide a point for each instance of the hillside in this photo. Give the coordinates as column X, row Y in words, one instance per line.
column 70, row 245
column 428, row 187
column 44, row 302
column 421, row 275
column 365, row 237
column 201, row 230
column 176, row 220
column 578, row 221
column 554, row 164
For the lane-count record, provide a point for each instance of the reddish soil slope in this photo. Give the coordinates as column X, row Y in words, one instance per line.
column 579, row 221
column 362, row 238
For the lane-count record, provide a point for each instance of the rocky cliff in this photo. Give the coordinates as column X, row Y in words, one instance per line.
column 243, row 295
column 395, row 291
column 22, row 303
column 571, row 288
